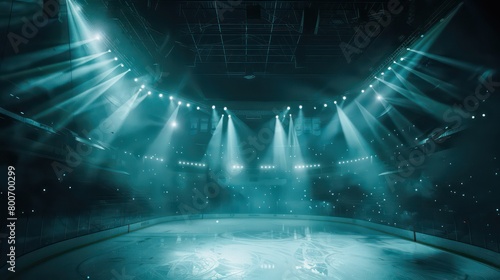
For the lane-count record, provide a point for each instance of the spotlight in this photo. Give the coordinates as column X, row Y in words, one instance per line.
column 149, row 92
column 122, row 65
column 300, row 107
column 109, row 50
column 371, row 85
column 225, row 108
column 362, row 91
column 160, row 95
column 402, row 59
column 379, row 97
column 174, row 124
column 213, row 107
column 143, row 86
column 334, row 102
column 408, row 49
column 135, row 80
column 382, row 73
column 116, row 58
column 198, row 108
column 179, row 103
column 229, row 116
column 343, row 97
column 389, row 68
column 484, row 115
column 98, row 37
column 325, row 105
column 188, row 105
column 288, row 108
column 277, row 117
column 171, row 97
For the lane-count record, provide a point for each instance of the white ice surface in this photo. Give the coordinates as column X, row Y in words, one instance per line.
column 258, row 249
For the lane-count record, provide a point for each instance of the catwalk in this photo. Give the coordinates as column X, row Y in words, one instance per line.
column 258, row 249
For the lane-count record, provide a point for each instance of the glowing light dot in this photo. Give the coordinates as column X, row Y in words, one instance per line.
column 343, row 97
column 160, row 95
column 300, row 107
column 213, row 106
column 325, row 105
column 198, row 108
column 188, row 105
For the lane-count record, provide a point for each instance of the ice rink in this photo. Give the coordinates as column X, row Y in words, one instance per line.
column 258, row 249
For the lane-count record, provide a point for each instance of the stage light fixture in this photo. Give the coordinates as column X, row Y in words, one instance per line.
column 109, row 50
column 143, row 86
column 149, row 92
column 389, row 68
column 213, row 107
column 288, row 108
column 198, row 108
column 371, row 86
column 300, row 106
column 171, row 97
column 334, row 102
column 343, row 97
column 362, row 91
column 135, row 79
column 325, row 105
column 116, row 58
column 122, row 65
column 229, row 116
column 160, row 95
column 382, row 73
column 225, row 108
column 174, row 124
column 179, row 103
column 188, row 105
column 379, row 97
column 402, row 59
column 277, row 117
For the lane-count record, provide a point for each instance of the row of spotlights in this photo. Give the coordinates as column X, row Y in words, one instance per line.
column 237, row 167
column 355, row 160
column 192, row 164
column 306, row 166
column 267, row 167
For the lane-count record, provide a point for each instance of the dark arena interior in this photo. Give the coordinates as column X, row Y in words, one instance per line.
column 157, row 139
